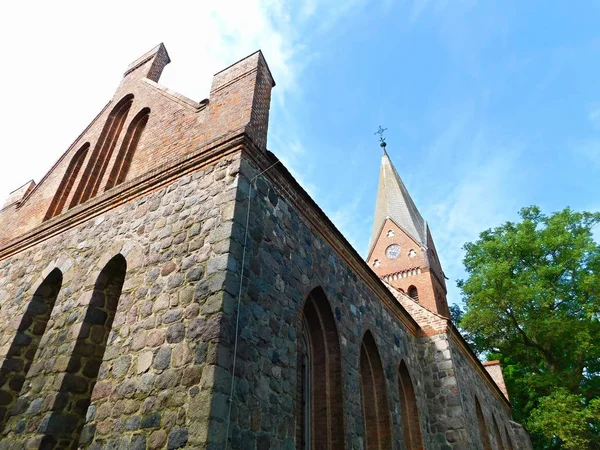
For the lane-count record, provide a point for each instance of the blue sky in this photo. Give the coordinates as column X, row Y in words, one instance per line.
column 490, row 106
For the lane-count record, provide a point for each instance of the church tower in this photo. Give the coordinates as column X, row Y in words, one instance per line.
column 401, row 251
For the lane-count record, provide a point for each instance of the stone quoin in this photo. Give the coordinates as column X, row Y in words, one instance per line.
column 168, row 284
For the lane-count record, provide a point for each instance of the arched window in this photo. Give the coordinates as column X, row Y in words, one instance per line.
column 128, row 147
column 64, row 425
column 25, row 342
column 376, row 416
column 320, row 401
column 413, row 293
column 411, row 425
column 96, row 166
column 485, row 439
column 68, row 180
column 498, row 435
column 508, row 439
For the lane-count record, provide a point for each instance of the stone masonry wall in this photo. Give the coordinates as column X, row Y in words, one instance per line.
column 155, row 384
column 287, row 258
column 471, row 384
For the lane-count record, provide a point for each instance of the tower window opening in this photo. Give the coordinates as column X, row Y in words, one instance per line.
column 413, row 293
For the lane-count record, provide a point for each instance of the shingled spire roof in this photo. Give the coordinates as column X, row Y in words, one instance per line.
column 394, row 202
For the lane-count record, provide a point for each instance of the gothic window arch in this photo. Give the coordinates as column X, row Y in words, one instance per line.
column 26, row 341
column 128, row 148
column 64, row 425
column 413, row 293
column 498, row 435
column 376, row 417
column 319, row 397
column 508, row 439
column 485, row 438
column 98, row 162
column 67, row 182
column 411, row 424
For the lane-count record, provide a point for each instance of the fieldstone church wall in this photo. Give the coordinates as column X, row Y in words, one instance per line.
column 157, row 374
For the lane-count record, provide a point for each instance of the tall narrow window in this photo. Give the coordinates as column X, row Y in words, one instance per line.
column 413, row 293
column 25, row 342
column 485, row 439
column 96, row 166
column 128, row 147
column 68, row 180
column 305, row 394
column 63, row 427
column 508, row 439
column 411, row 424
column 320, row 422
column 376, row 415
column 498, row 435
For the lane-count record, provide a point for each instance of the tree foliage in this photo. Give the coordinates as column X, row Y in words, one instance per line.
column 532, row 300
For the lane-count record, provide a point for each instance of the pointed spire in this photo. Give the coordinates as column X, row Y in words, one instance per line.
column 394, row 202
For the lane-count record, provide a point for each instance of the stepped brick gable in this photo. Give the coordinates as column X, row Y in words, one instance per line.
column 168, row 284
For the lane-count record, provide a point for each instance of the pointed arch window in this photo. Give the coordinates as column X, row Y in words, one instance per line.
column 305, row 393
column 26, row 341
column 66, row 421
column 498, row 435
column 508, row 439
column 98, row 162
column 411, row 424
column 413, row 293
column 376, row 417
column 128, row 148
column 319, row 398
column 67, row 182
column 485, row 438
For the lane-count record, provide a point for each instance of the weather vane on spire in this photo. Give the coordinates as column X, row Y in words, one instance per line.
column 382, row 142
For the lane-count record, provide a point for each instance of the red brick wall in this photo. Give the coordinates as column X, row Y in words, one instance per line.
column 239, row 104
column 405, row 271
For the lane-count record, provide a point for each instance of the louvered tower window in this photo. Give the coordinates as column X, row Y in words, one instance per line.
column 413, row 293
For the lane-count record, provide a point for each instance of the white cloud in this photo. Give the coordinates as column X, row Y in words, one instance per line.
column 67, row 58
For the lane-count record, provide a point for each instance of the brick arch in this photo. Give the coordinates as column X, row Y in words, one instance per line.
column 411, row 424
column 413, row 293
column 485, row 438
column 98, row 162
column 67, row 182
column 128, row 148
column 62, row 428
column 499, row 442
column 319, row 377
column 26, row 341
column 376, row 416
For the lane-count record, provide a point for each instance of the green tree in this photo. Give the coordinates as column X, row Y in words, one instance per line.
column 532, row 300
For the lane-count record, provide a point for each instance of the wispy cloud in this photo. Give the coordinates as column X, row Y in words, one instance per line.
column 201, row 37
column 484, row 193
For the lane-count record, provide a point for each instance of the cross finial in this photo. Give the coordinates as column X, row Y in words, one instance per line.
column 382, row 142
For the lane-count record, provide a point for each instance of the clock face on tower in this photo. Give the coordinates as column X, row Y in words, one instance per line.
column 393, row 251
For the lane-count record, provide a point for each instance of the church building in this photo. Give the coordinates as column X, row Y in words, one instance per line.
column 168, row 284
